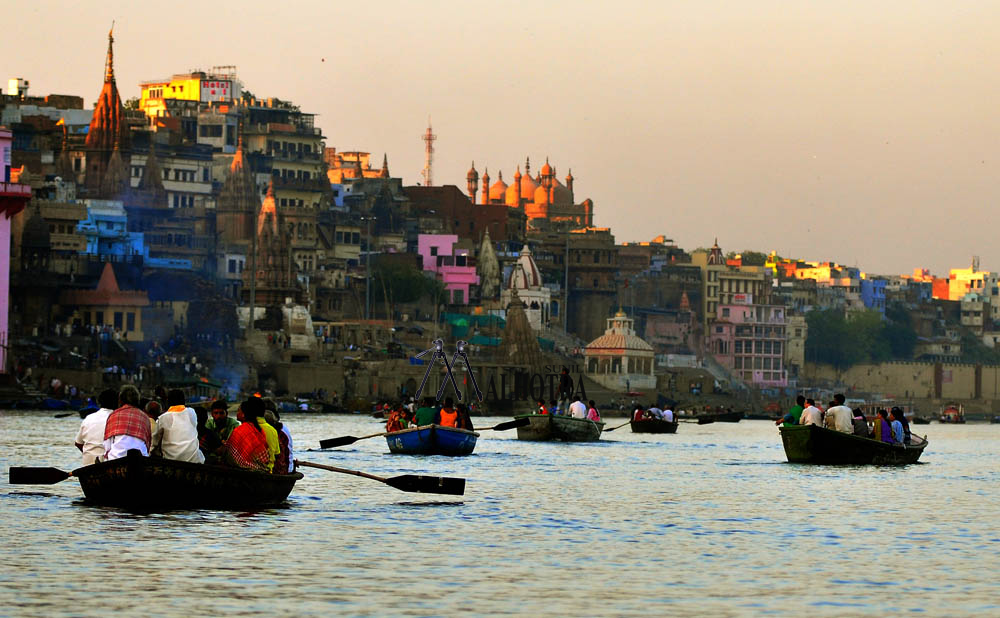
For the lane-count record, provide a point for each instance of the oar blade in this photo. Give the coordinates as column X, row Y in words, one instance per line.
column 428, row 484
column 517, row 422
column 335, row 442
column 36, row 476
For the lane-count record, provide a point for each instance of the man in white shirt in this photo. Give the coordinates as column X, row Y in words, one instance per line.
column 578, row 409
column 90, row 438
column 668, row 415
column 176, row 433
column 811, row 414
column 655, row 412
column 840, row 417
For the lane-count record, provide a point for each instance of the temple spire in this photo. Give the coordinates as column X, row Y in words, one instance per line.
column 109, row 66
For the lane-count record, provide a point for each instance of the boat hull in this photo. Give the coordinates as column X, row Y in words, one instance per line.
column 724, row 417
column 149, row 483
column 814, row 444
column 653, row 426
column 543, row 427
column 432, row 440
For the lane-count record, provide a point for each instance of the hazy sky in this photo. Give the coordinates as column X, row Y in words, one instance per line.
column 861, row 132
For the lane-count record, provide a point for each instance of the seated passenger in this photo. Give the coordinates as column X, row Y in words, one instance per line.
column 176, row 433
column 638, row 414
column 270, row 433
column 90, row 438
column 905, row 423
column 247, row 446
column 464, row 417
column 592, row 413
column 540, row 407
column 127, row 427
column 554, row 408
column 811, row 414
column 577, row 409
column 153, row 411
column 897, row 426
column 654, row 412
column 860, row 423
column 427, row 414
column 396, row 421
column 221, row 423
column 283, row 462
column 881, row 430
column 448, row 416
column 668, row 415
column 208, row 441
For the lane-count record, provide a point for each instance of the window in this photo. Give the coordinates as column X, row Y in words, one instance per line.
column 725, row 312
column 232, row 266
column 597, row 257
column 458, row 297
column 99, row 317
column 204, row 174
column 595, row 283
column 118, row 320
column 339, row 237
column 130, row 321
column 434, row 250
column 738, row 348
column 460, row 260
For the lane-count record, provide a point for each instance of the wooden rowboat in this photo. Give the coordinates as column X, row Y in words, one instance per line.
column 558, row 427
column 720, row 417
column 653, row 425
column 432, row 440
column 150, row 483
column 819, row 445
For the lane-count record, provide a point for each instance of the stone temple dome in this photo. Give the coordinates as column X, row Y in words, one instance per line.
column 619, row 336
column 525, row 275
column 499, row 189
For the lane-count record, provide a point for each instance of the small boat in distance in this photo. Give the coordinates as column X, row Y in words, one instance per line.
column 819, row 445
column 154, row 484
column 544, row 427
column 653, row 425
column 432, row 440
column 953, row 414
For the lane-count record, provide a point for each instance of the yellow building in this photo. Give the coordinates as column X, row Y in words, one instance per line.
column 218, row 85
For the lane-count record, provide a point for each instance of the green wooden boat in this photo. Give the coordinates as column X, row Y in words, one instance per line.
column 818, row 445
column 544, row 427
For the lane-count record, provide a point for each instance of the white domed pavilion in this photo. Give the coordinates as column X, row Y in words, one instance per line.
column 619, row 359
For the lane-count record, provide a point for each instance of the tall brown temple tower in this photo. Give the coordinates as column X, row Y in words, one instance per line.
column 275, row 270
column 108, row 131
column 236, row 210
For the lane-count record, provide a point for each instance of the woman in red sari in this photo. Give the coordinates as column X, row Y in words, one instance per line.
column 247, row 446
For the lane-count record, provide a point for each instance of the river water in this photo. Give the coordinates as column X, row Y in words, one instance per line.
column 709, row 521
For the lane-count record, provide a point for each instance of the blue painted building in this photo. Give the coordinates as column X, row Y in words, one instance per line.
column 873, row 294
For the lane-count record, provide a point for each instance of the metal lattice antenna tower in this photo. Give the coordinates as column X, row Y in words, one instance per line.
column 428, row 138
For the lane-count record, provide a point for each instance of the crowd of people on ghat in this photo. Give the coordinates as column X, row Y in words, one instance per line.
column 165, row 426
column 889, row 426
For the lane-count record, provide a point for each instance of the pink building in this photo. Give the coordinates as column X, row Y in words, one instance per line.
column 13, row 198
column 750, row 340
column 453, row 266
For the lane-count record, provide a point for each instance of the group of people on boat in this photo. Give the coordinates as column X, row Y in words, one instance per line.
column 165, row 426
column 429, row 413
column 890, row 426
column 572, row 405
column 653, row 413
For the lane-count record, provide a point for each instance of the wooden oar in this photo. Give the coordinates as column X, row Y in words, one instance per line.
column 617, row 426
column 517, row 422
column 37, row 476
column 65, row 414
column 407, row 482
column 345, row 440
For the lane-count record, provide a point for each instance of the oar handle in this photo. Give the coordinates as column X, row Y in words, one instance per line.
column 310, row 464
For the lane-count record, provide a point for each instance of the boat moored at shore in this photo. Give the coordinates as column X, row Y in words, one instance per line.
column 653, row 425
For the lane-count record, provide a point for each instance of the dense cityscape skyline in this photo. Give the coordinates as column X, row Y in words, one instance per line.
column 768, row 129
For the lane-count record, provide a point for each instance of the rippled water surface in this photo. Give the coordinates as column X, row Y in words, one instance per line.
column 711, row 520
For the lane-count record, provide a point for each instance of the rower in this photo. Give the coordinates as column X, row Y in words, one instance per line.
column 176, row 433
